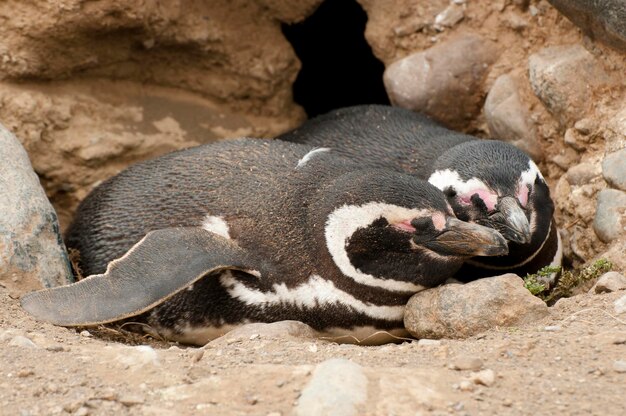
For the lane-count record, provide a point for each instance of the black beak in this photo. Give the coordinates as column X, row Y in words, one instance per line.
column 511, row 221
column 468, row 240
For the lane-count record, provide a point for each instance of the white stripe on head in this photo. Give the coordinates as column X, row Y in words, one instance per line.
column 310, row 155
column 344, row 221
column 443, row 179
column 216, row 225
column 314, row 293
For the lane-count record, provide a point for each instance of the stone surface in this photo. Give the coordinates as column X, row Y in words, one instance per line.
column 582, row 173
column 614, row 169
column 337, row 387
column 619, row 366
column 620, row 305
column 610, row 282
column 444, row 81
column 615, row 132
column 610, row 219
column 603, row 20
column 508, row 119
column 460, row 311
column 564, row 78
column 449, row 17
column 32, row 254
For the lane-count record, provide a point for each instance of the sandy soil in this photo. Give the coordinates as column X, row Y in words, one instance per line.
column 562, row 365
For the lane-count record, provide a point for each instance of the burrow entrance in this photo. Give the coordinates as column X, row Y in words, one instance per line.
column 338, row 66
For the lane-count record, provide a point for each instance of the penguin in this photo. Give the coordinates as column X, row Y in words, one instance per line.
column 487, row 182
column 199, row 241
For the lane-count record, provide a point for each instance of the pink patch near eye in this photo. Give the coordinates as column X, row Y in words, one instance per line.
column 522, row 194
column 405, row 226
column 439, row 221
column 488, row 198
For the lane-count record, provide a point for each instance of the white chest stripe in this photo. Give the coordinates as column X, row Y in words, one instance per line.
column 344, row 221
column 315, row 293
column 309, row 155
column 216, row 225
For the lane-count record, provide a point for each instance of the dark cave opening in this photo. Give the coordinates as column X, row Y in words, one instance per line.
column 338, row 66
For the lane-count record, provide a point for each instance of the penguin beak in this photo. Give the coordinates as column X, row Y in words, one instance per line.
column 467, row 239
column 511, row 221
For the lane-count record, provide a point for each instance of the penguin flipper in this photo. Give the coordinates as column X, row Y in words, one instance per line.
column 162, row 264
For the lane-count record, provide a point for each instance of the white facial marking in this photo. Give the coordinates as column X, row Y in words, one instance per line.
column 314, row 293
column 216, row 225
column 344, row 221
column 309, row 155
column 443, row 179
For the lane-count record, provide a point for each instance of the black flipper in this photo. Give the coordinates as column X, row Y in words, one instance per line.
column 162, row 264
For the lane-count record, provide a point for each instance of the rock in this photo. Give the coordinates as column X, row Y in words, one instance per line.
column 582, row 173
column 603, row 20
column 466, row 385
column 338, row 387
column 585, row 126
column 486, row 377
column 564, row 78
column 508, row 119
column 443, row 81
column 619, row 366
column 466, row 363
column 279, row 330
column 32, row 253
column 460, row 311
column 449, row 17
column 22, row 342
column 610, row 220
column 610, row 282
column 614, row 169
column 620, row 305
column 138, row 356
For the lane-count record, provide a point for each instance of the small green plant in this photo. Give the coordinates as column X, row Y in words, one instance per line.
column 567, row 282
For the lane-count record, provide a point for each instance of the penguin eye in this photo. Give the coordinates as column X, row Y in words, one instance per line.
column 422, row 224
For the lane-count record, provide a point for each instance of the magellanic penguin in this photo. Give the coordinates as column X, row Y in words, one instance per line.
column 488, row 182
column 204, row 239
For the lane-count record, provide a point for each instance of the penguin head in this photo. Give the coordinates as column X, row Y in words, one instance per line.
column 495, row 184
column 396, row 231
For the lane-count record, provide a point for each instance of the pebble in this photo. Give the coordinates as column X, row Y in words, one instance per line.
column 466, row 385
column 610, row 219
column 582, row 173
column 444, row 81
column 508, row 119
column 610, row 282
column 602, row 20
column 563, row 77
column 620, row 305
column 449, row 17
column 32, row 254
column 337, row 387
column 466, row 363
column 85, row 333
column 486, row 377
column 22, row 342
column 552, row 328
column 138, row 356
column 461, row 311
column 614, row 169
column 619, row 366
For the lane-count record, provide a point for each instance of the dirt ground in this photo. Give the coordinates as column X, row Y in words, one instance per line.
column 565, row 364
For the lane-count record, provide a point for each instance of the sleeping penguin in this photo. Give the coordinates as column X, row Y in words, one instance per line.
column 201, row 240
column 487, row 182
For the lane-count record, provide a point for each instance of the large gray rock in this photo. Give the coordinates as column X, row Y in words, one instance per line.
column 508, row 119
column 564, row 78
column 444, row 81
column 32, row 254
column 610, row 220
column 338, row 387
column 614, row 169
column 460, row 311
column 604, row 20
